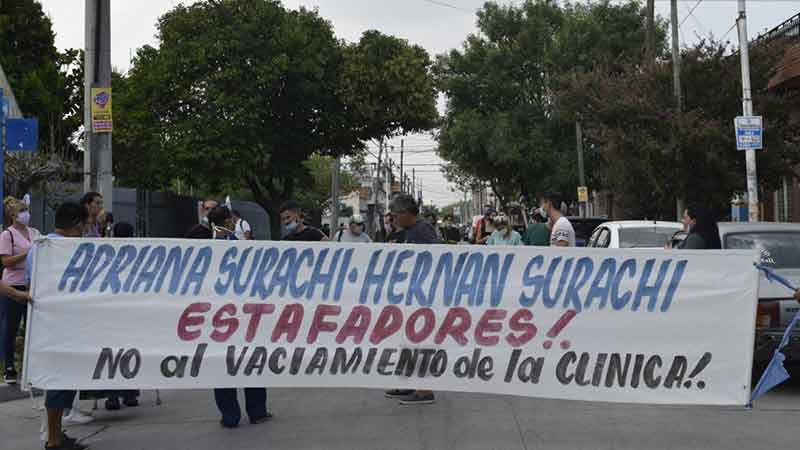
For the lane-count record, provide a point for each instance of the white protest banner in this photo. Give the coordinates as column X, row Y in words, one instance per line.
column 603, row 325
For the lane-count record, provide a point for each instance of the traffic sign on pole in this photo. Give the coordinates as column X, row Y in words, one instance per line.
column 749, row 133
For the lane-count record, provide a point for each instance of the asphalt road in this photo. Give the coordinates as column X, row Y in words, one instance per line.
column 363, row 419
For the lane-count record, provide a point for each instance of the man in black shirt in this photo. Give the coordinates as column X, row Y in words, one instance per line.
column 293, row 227
column 406, row 215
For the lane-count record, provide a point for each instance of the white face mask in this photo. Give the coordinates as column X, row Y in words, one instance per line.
column 24, row 218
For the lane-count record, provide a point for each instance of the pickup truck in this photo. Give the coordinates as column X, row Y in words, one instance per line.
column 779, row 245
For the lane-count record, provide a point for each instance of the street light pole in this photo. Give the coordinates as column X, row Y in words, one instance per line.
column 676, row 85
column 747, row 106
column 335, row 196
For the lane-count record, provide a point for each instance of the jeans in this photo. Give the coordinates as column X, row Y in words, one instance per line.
column 227, row 403
column 11, row 315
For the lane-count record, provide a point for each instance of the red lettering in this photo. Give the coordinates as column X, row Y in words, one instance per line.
column 188, row 320
column 356, row 325
column 231, row 324
column 256, row 310
column 389, row 322
column 319, row 324
column 489, row 324
column 455, row 324
column 289, row 323
column 519, row 322
column 427, row 326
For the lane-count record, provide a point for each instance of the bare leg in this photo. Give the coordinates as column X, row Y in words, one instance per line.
column 54, row 431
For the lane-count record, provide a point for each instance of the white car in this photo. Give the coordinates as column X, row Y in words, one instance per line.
column 634, row 234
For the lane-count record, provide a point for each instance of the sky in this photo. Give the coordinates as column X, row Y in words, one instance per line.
column 436, row 25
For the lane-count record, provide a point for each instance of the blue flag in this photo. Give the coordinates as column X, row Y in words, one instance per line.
column 775, row 373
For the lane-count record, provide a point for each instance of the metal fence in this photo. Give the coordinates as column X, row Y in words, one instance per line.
column 152, row 214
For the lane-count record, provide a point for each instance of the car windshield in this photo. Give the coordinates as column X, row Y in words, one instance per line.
column 649, row 237
column 778, row 250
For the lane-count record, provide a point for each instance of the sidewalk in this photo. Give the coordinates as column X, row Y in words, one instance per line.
column 339, row 419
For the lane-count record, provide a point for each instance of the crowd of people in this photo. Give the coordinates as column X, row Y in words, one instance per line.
column 403, row 224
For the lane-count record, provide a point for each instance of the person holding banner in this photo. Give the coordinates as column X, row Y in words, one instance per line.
column 70, row 222
column 219, row 225
column 293, row 227
column 15, row 241
column 406, row 213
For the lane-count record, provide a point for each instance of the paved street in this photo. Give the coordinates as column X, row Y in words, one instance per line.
column 362, row 419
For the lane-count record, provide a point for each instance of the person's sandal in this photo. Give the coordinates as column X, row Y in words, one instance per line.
column 68, row 444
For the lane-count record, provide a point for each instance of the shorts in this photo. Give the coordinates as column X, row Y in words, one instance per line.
column 59, row 399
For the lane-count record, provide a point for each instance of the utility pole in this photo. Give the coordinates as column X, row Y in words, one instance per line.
column 650, row 52
column 581, row 175
column 680, row 203
column 747, row 106
column 413, row 181
column 335, row 196
column 402, row 188
column 97, row 159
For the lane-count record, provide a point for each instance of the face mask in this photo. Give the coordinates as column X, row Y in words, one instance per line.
column 204, row 220
column 24, row 218
column 289, row 228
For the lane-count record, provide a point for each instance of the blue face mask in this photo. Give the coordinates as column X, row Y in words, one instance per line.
column 289, row 228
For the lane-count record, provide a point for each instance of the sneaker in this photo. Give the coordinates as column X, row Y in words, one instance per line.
column 10, row 376
column 418, row 399
column 399, row 393
column 76, row 417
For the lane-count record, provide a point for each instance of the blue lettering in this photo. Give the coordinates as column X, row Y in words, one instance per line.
column 537, row 282
column 268, row 261
column 491, row 268
column 240, row 288
column 376, row 279
column 548, row 300
column 107, row 253
column 651, row 291
column 143, row 252
column 398, row 276
column 421, row 268
column 617, row 302
column 197, row 274
column 283, row 273
column 148, row 274
column 125, row 257
column 227, row 267
column 324, row 279
column 296, row 290
column 583, row 271
column 677, row 275
column 601, row 286
column 77, row 266
column 348, row 255
column 177, row 262
column 469, row 280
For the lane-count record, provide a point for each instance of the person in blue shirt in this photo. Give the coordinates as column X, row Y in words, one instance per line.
column 69, row 222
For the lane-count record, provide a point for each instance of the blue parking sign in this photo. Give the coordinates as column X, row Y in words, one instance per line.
column 749, row 133
column 22, row 135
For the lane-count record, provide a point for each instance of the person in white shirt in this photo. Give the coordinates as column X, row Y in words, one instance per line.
column 241, row 229
column 562, row 234
column 355, row 232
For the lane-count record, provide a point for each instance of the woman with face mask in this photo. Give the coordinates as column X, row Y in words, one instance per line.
column 504, row 234
column 15, row 241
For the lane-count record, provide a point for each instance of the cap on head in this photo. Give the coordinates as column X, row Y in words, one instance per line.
column 357, row 219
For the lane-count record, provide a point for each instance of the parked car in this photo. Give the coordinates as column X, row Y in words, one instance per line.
column 677, row 239
column 634, row 234
column 584, row 227
column 779, row 245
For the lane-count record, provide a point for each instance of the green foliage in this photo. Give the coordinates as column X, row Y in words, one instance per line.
column 502, row 124
column 241, row 93
column 648, row 155
column 317, row 184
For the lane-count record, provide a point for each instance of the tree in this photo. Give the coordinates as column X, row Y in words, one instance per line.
column 47, row 84
column 318, row 176
column 503, row 125
column 650, row 156
column 243, row 92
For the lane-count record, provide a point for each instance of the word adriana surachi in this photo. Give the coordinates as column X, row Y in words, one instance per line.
column 404, row 276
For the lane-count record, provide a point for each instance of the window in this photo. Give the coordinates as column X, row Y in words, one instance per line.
column 649, row 237
column 784, row 204
column 780, row 250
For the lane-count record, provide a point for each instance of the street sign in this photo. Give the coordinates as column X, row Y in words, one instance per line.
column 22, row 135
column 583, row 194
column 102, row 118
column 749, row 133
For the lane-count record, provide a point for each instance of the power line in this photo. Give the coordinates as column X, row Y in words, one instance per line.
column 691, row 11
column 729, row 31
column 448, row 5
